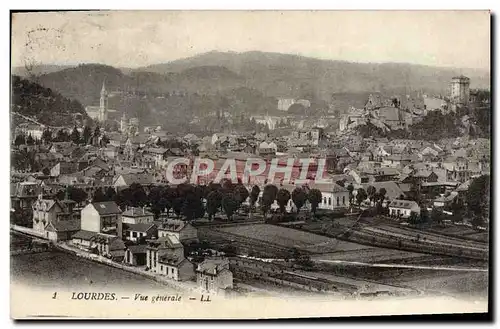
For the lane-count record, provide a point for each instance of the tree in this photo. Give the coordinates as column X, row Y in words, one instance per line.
column 97, row 131
column 371, row 192
column 299, row 197
column 133, row 196
column 268, row 197
column 77, row 194
column 75, row 136
column 62, row 136
column 47, row 136
column 110, row 193
column 20, row 140
column 437, row 216
column 214, row 202
column 157, row 200
column 86, row 134
column 104, row 140
column 350, row 188
column 283, row 197
column 381, row 195
column 192, row 207
column 169, row 197
column 254, row 196
column 139, row 197
column 230, row 205
column 361, row 196
column 414, row 219
column 30, row 140
column 314, row 196
column 99, row 196
column 478, row 197
column 240, row 193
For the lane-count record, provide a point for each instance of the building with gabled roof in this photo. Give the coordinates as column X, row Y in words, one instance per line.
column 101, row 217
column 183, row 231
column 214, row 275
column 403, row 208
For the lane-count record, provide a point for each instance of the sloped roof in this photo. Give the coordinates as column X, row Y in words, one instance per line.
column 406, row 204
column 213, row 266
column 173, row 225
column 172, row 260
column 84, row 235
column 66, row 225
column 138, row 249
column 106, row 208
column 136, row 212
column 140, row 178
column 392, row 189
column 156, row 150
column 140, row 227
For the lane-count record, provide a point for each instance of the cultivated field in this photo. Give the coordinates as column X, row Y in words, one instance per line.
column 375, row 255
column 291, row 238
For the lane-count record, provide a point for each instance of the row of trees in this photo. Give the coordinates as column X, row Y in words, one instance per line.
column 194, row 201
column 62, row 135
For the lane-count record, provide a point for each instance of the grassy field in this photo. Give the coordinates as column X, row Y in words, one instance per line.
column 292, row 238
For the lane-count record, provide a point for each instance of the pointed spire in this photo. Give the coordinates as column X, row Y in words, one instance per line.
column 103, row 89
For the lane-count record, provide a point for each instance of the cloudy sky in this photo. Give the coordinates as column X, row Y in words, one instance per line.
column 133, row 39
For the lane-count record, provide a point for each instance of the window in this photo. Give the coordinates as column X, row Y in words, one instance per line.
column 329, row 201
column 161, row 268
column 343, row 200
column 338, row 201
column 134, row 234
column 324, row 200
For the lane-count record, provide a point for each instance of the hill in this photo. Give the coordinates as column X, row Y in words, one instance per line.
column 37, row 70
column 43, row 104
column 277, row 74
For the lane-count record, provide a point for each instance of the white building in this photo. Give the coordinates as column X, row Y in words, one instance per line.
column 179, row 229
column 101, row 217
column 403, row 208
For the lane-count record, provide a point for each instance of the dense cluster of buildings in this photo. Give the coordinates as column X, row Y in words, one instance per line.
column 440, row 170
column 401, row 112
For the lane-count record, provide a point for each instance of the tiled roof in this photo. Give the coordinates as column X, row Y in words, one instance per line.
column 171, row 260
column 84, row 235
column 107, row 208
column 66, row 226
column 140, row 227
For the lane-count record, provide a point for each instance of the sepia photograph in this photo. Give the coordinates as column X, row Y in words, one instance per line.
column 188, row 164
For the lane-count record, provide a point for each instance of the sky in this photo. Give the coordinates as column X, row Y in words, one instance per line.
column 138, row 38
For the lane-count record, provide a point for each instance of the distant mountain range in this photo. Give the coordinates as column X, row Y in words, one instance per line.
column 282, row 74
column 268, row 75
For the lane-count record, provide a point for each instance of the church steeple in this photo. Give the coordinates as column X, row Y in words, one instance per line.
column 103, row 104
column 103, row 89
